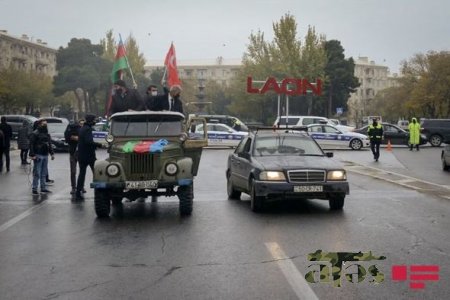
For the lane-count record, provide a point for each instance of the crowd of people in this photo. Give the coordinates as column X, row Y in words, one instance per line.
column 35, row 144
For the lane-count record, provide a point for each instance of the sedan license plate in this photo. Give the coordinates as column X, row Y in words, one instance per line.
column 138, row 185
column 308, row 188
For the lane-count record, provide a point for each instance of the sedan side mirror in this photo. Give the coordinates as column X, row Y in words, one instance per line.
column 329, row 154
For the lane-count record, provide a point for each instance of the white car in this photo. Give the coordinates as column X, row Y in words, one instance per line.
column 328, row 136
column 100, row 132
column 221, row 134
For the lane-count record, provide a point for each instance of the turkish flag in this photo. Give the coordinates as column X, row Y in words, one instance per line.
column 171, row 67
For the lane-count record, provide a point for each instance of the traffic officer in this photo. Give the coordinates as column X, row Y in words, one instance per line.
column 375, row 133
column 414, row 134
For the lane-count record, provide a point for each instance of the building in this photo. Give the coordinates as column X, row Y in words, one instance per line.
column 372, row 78
column 220, row 70
column 26, row 54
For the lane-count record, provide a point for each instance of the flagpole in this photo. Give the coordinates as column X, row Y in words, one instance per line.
column 126, row 59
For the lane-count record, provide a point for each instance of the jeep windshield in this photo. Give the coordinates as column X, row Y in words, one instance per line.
column 146, row 125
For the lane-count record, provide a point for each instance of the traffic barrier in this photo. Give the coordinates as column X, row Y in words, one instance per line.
column 389, row 146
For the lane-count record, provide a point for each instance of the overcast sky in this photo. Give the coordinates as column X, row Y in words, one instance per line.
column 386, row 31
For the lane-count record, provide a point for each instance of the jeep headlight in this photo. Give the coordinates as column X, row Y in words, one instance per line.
column 109, row 138
column 183, row 137
column 171, row 169
column 112, row 170
column 272, row 176
column 336, row 175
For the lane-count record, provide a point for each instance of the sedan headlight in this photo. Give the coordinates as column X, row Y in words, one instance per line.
column 171, row 169
column 336, row 175
column 272, row 176
column 113, row 170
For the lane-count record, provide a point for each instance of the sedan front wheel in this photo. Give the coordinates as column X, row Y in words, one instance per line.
column 356, row 144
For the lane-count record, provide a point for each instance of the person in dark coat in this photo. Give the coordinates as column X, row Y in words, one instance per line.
column 169, row 101
column 40, row 148
column 86, row 153
column 375, row 133
column 125, row 99
column 2, row 146
column 23, row 141
column 152, row 92
column 71, row 136
column 7, row 136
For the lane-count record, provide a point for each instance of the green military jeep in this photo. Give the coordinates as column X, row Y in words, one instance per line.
column 150, row 154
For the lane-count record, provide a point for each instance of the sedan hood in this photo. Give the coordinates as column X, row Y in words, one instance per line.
column 275, row 163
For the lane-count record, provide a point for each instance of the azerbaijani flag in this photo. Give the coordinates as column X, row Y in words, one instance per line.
column 120, row 63
column 145, row 146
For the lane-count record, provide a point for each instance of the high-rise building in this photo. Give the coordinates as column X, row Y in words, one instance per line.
column 25, row 53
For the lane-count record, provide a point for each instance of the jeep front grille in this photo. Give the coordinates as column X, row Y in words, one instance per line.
column 139, row 166
column 299, row 176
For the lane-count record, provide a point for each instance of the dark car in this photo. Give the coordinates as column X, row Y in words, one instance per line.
column 16, row 121
column 445, row 158
column 436, row 130
column 275, row 165
column 56, row 131
column 394, row 134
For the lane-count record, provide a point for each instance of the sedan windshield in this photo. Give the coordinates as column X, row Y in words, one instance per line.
column 285, row 145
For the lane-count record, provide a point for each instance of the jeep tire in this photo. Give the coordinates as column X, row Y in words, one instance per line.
column 102, row 203
column 186, row 196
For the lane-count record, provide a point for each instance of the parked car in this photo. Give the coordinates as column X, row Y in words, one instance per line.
column 437, row 131
column 231, row 121
column 16, row 121
column 394, row 134
column 100, row 132
column 221, row 134
column 403, row 124
column 445, row 158
column 328, row 136
column 56, row 131
column 276, row 165
column 298, row 121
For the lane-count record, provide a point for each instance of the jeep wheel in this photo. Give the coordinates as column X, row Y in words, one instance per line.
column 256, row 202
column 186, row 196
column 337, row 201
column 445, row 167
column 356, row 144
column 435, row 140
column 232, row 193
column 101, row 203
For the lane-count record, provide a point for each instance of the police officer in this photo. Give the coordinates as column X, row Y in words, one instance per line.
column 375, row 133
column 414, row 134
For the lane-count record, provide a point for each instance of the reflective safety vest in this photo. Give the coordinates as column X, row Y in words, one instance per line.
column 375, row 133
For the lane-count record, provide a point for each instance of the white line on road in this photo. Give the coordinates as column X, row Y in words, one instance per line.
column 22, row 216
column 292, row 274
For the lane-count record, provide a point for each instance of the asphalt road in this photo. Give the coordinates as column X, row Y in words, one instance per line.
column 53, row 248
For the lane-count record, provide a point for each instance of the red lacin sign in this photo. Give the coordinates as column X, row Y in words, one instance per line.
column 288, row 86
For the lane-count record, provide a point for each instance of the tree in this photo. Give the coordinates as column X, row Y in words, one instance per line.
column 340, row 80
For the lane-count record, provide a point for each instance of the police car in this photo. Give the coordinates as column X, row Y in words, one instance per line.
column 221, row 134
column 328, row 136
column 99, row 133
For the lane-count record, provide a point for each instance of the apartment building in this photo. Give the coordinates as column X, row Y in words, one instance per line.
column 26, row 53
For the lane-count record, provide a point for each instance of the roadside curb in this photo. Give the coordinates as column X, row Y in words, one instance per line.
column 399, row 179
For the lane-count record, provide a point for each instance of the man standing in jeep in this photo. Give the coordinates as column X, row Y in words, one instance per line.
column 125, row 99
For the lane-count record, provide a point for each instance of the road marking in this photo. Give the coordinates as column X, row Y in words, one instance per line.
column 292, row 274
column 22, row 216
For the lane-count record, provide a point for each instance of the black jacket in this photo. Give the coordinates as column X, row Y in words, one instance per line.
column 130, row 100
column 375, row 133
column 86, row 145
column 40, row 143
column 7, row 132
column 72, row 130
column 23, row 137
column 161, row 102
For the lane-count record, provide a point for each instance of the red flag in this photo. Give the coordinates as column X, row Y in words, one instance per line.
column 171, row 67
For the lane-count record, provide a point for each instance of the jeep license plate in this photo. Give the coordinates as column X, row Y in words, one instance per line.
column 138, row 185
column 308, row 188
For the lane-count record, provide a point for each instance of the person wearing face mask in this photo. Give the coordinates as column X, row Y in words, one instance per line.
column 170, row 100
column 152, row 92
column 375, row 133
column 125, row 99
column 40, row 148
column 86, row 153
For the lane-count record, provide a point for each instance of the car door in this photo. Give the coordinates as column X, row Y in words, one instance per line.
column 394, row 134
column 333, row 137
column 241, row 164
column 316, row 132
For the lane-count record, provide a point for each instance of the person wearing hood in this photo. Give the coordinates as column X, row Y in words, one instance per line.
column 7, row 136
column 375, row 133
column 86, row 153
column 40, row 148
column 414, row 134
column 125, row 99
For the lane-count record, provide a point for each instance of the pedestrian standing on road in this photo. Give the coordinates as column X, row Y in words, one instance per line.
column 40, row 148
column 125, row 99
column 71, row 136
column 7, row 136
column 23, row 142
column 86, row 153
column 2, row 146
column 375, row 133
column 414, row 134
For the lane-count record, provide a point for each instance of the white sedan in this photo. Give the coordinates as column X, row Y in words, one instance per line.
column 328, row 136
column 221, row 134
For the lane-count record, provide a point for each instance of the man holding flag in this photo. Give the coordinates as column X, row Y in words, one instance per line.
column 171, row 99
column 122, row 98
